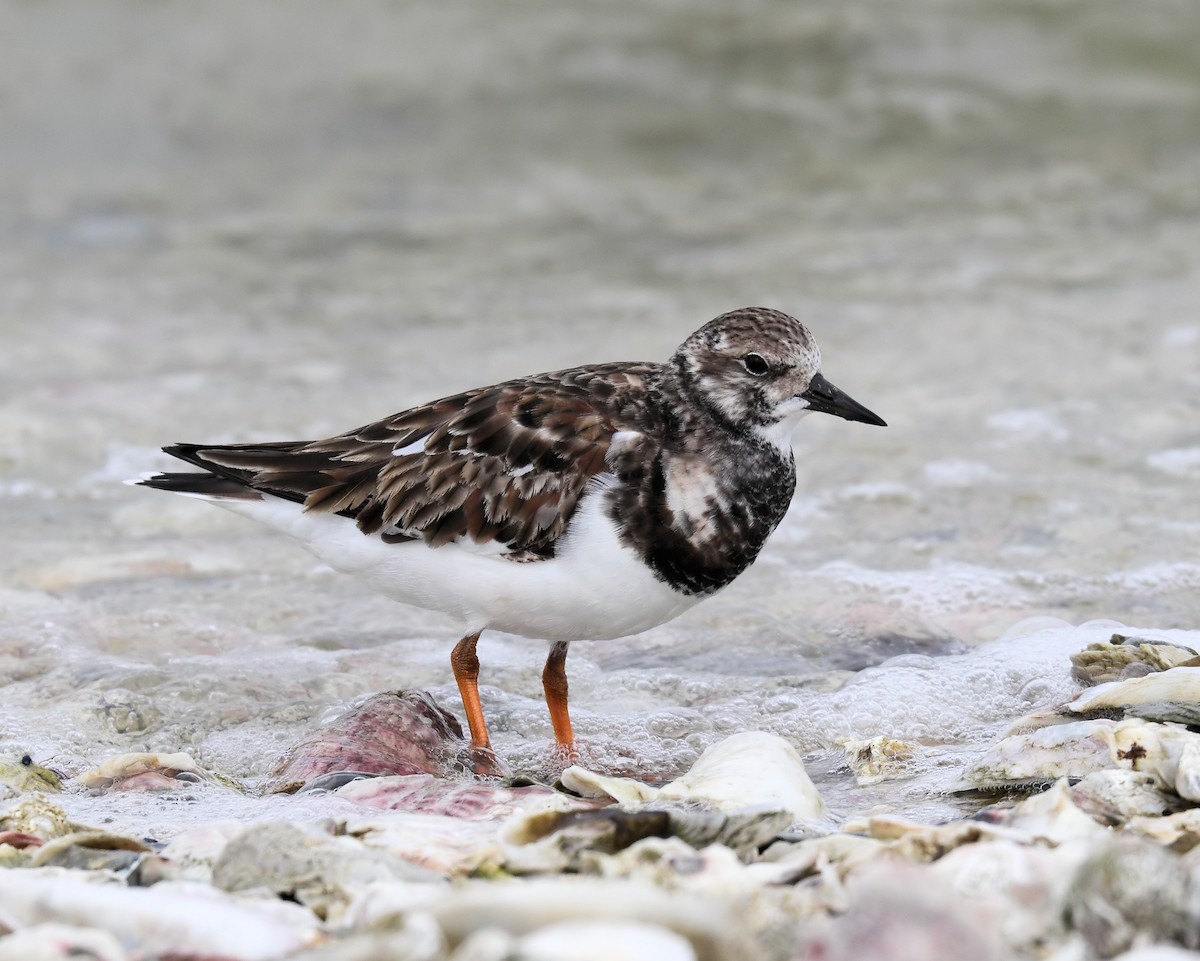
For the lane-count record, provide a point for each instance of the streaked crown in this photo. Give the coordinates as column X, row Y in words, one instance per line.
column 749, row 367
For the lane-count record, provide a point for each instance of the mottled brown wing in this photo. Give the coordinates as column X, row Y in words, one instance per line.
column 504, row 464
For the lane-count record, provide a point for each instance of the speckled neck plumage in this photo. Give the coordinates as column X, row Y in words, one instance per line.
column 700, row 508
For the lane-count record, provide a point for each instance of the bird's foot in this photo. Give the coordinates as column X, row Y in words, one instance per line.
column 566, row 753
column 482, row 761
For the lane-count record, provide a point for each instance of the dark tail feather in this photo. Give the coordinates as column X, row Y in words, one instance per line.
column 241, row 470
column 207, row 485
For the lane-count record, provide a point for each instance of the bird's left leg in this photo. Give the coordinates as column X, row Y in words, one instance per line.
column 554, row 683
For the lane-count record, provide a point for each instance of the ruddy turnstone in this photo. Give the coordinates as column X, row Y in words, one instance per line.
column 588, row 503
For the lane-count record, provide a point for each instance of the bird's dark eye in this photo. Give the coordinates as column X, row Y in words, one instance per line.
column 26, row 760
column 756, row 364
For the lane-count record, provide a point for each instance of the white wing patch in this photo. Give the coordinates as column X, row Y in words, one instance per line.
column 416, row 447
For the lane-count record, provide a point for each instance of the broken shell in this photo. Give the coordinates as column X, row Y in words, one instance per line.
column 1166, row 696
column 448, row 846
column 1022, row 885
column 1052, row 816
column 24, row 776
column 1171, row 754
column 411, row 937
column 51, row 942
column 603, row 941
column 709, row 924
column 425, row 794
column 897, row 910
column 306, row 865
column 36, row 815
column 144, row 772
column 399, row 732
column 554, row 841
column 90, row 851
column 834, row 856
column 156, row 921
column 1114, row 796
column 1131, row 888
column 752, row 769
column 193, row 853
column 878, row 759
column 1180, row 832
column 1124, row 657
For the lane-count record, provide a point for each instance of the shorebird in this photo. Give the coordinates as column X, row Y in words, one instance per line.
column 588, row 503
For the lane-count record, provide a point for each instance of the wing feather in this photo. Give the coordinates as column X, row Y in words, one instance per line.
column 506, row 463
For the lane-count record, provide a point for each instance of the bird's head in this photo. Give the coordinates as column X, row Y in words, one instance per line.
column 759, row 370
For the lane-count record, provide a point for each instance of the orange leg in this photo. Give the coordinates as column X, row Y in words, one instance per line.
column 466, row 672
column 554, row 683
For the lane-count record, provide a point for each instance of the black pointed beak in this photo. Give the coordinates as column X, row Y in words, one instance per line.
column 824, row 397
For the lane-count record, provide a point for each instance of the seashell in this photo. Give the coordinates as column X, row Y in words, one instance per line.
column 156, row 921
column 306, row 865
column 23, row 776
column 425, row 794
column 90, row 851
column 400, row 732
column 745, row 832
column 20, row 840
column 623, row 790
column 36, row 815
column 878, row 759
column 711, row 925
column 557, row 840
column 144, row 772
column 554, row 841
column 1022, row 886
column 1180, row 831
column 1053, row 817
column 1126, row 657
column 897, row 910
column 43, row 942
column 1131, row 889
column 1171, row 754
column 192, row 854
column 673, row 864
column 1114, row 796
column 444, row 845
column 1172, row 695
column 833, row 857
column 603, row 941
column 752, row 769
column 413, row 937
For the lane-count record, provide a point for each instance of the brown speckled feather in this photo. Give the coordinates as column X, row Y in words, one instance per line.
column 504, row 464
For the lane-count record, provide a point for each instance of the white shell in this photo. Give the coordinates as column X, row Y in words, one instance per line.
column 752, row 769
column 1172, row 695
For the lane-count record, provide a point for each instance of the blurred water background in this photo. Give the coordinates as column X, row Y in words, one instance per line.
column 234, row 222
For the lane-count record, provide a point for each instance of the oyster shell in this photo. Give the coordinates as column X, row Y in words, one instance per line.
column 1172, row 695
column 1126, row 657
column 23, row 776
column 752, row 769
column 1171, row 754
column 398, row 732
column 145, row 772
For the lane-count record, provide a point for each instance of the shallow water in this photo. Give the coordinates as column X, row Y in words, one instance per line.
column 236, row 223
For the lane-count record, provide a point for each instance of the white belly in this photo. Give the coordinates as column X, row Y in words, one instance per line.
column 593, row 589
